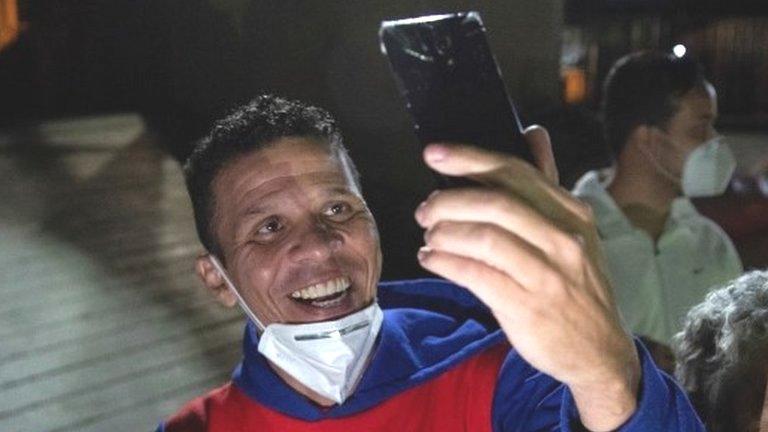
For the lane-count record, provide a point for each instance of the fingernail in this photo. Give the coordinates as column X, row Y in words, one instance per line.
column 427, row 236
column 423, row 253
column 420, row 210
column 436, row 152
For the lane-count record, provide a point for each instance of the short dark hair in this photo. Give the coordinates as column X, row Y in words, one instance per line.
column 644, row 88
column 252, row 127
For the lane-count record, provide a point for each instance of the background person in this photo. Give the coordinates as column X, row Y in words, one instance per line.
column 662, row 255
column 722, row 356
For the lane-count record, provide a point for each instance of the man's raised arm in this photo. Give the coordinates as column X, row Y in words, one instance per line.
column 530, row 251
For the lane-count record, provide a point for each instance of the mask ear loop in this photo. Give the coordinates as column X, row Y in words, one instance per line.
column 656, row 164
column 232, row 288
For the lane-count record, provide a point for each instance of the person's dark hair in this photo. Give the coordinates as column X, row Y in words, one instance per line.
column 644, row 88
column 251, row 127
column 722, row 349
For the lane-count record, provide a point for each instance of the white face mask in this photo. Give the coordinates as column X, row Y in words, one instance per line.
column 706, row 170
column 328, row 357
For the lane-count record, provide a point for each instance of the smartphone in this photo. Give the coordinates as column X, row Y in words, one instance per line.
column 451, row 83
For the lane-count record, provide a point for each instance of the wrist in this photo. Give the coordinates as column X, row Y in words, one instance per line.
column 607, row 402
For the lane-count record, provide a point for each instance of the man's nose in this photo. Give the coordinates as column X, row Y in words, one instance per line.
column 315, row 243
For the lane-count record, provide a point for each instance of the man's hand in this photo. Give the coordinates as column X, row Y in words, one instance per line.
column 530, row 251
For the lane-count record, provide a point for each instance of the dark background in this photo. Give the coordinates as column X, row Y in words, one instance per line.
column 103, row 324
column 182, row 64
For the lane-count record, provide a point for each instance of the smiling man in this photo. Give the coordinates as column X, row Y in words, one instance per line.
column 523, row 334
column 301, row 216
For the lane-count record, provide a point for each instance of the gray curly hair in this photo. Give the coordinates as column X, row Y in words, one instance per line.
column 722, row 338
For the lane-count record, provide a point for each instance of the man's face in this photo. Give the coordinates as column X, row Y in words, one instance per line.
column 298, row 240
column 692, row 125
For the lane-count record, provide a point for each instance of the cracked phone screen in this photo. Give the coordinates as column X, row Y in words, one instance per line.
column 452, row 85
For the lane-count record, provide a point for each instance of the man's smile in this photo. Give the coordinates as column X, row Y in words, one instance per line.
column 324, row 294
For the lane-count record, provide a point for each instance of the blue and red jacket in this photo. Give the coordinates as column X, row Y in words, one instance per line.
column 441, row 364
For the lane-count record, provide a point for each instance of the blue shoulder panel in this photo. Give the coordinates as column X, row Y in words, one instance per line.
column 528, row 400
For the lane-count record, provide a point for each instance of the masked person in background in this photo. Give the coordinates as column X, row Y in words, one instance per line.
column 527, row 338
column 723, row 356
column 662, row 255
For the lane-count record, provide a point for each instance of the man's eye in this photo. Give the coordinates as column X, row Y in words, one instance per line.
column 338, row 210
column 270, row 227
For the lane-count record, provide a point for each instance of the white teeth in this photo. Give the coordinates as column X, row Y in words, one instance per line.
column 334, row 287
column 323, row 289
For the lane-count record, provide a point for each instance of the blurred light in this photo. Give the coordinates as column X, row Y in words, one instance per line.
column 574, row 85
column 679, row 50
column 9, row 22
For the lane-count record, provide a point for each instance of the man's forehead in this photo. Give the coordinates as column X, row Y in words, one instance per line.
column 305, row 185
column 285, row 157
column 288, row 153
column 285, row 165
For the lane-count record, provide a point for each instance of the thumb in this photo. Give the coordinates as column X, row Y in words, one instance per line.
column 541, row 147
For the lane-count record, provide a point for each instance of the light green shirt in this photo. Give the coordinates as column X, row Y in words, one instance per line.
column 656, row 284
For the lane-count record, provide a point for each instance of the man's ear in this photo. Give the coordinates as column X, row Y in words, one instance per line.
column 214, row 280
column 642, row 134
column 646, row 136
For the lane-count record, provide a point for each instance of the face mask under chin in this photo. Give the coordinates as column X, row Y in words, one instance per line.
column 328, row 357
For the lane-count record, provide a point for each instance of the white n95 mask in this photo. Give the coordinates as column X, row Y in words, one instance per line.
column 708, row 169
column 328, row 357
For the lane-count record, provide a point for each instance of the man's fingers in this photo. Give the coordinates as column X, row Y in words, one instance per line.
column 541, row 148
column 491, row 286
column 493, row 207
column 514, row 175
column 572, row 217
column 469, row 161
column 493, row 246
